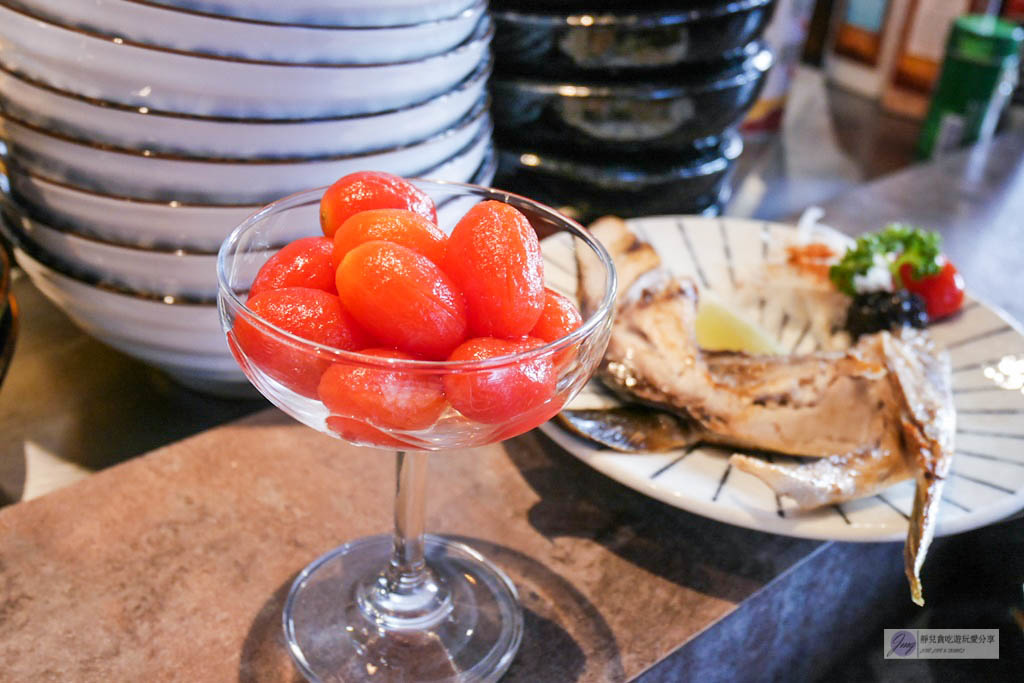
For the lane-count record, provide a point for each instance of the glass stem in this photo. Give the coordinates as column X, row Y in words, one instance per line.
column 406, row 594
column 407, row 564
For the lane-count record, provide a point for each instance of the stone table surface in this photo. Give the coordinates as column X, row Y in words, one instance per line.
column 174, row 566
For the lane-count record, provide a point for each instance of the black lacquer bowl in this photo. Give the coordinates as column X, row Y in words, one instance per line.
column 691, row 183
column 667, row 115
column 579, row 44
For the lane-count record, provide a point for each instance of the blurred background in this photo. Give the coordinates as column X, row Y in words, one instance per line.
column 635, row 114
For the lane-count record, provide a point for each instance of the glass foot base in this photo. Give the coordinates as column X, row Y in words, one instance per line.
column 331, row 638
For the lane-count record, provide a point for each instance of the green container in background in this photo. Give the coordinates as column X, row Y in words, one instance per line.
column 978, row 76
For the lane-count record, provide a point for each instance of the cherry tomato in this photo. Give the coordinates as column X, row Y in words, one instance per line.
column 364, row 190
column 505, row 393
column 402, row 299
column 532, row 418
column 558, row 318
column 494, row 257
column 943, row 293
column 389, row 399
column 361, row 433
column 391, row 225
column 306, row 262
column 312, row 314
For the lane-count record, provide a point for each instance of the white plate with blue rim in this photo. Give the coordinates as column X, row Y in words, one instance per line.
column 986, row 350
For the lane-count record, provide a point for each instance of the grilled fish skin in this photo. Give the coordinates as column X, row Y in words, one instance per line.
column 929, row 425
column 632, row 428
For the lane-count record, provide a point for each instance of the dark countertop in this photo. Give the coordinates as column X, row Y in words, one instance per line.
column 616, row 585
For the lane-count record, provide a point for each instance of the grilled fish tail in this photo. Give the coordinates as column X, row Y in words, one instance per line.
column 927, row 495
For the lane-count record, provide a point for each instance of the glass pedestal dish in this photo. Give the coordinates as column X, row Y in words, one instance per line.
column 405, row 606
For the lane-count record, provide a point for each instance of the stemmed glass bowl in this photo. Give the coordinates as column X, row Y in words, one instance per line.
column 406, row 606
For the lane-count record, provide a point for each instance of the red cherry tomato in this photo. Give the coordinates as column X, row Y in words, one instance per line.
column 402, row 299
column 390, row 225
column 306, row 262
column 504, row 394
column 361, row 433
column 494, row 257
column 532, row 418
column 371, row 190
column 558, row 318
column 312, row 314
column 388, row 399
column 943, row 293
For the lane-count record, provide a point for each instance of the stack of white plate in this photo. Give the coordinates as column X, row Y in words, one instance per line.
column 135, row 134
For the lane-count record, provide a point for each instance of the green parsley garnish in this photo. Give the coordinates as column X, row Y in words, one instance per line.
column 898, row 244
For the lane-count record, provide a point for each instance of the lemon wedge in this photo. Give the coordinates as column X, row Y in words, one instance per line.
column 721, row 328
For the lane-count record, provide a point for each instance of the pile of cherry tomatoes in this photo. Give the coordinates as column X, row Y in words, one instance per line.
column 385, row 281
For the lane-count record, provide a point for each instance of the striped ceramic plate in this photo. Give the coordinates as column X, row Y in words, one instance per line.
column 987, row 353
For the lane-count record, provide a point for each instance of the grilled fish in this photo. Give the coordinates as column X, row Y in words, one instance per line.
column 927, row 422
column 872, row 415
column 824, row 404
column 632, row 428
column 929, row 425
column 632, row 257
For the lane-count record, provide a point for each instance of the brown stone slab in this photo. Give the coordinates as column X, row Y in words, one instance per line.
column 174, row 566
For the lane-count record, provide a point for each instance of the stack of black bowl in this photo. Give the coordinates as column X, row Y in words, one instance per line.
column 602, row 109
